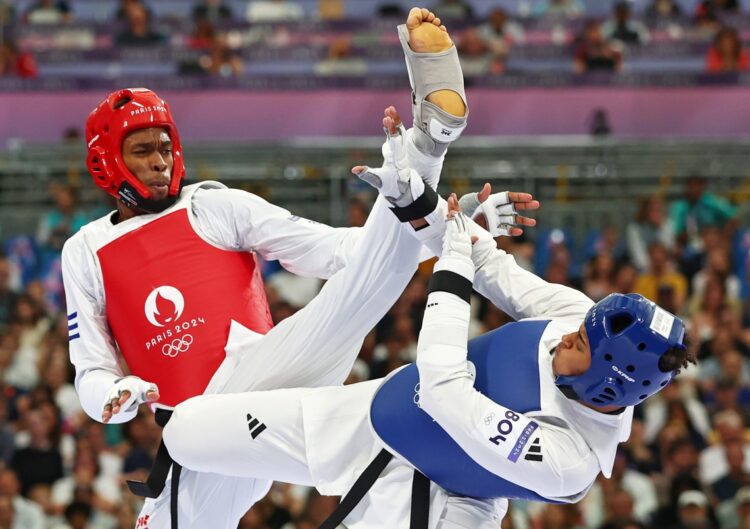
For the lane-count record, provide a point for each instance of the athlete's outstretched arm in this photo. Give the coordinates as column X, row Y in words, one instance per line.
column 494, row 436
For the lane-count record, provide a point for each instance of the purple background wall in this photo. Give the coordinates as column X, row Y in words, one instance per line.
column 240, row 116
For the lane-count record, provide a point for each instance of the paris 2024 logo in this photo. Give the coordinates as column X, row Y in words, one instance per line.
column 163, row 308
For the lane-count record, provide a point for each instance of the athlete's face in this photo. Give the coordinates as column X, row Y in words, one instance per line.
column 572, row 354
column 147, row 153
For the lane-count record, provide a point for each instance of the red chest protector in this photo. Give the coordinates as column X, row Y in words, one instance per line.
column 170, row 299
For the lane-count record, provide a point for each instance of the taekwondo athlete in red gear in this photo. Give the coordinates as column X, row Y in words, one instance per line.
column 169, row 280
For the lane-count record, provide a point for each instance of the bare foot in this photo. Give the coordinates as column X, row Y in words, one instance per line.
column 426, row 33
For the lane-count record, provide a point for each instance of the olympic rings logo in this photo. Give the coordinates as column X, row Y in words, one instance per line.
column 178, row 345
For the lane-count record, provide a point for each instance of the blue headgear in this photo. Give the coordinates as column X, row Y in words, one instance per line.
column 628, row 335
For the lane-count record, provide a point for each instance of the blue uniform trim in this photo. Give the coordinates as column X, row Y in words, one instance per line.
column 73, row 337
column 507, row 371
column 72, row 315
column 73, row 326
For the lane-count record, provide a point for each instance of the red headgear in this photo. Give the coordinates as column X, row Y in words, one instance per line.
column 106, row 127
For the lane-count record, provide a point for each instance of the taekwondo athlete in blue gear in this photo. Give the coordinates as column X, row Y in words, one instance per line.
column 505, row 363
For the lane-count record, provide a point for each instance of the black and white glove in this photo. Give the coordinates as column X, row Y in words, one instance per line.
column 498, row 209
column 138, row 393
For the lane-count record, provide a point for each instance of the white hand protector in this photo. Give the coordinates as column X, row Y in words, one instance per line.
column 457, row 238
column 395, row 180
column 497, row 209
column 137, row 388
column 457, row 247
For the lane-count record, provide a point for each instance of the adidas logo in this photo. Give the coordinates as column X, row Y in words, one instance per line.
column 255, row 426
column 535, row 451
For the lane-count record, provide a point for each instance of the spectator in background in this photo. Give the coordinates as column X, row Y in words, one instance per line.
column 717, row 8
column 667, row 516
column 598, row 278
column 710, row 368
column 693, row 511
column 712, row 310
column 499, row 34
column 728, row 429
column 474, row 54
column 8, row 297
column 22, row 513
column 203, row 36
column 559, row 516
column 340, row 60
column 274, row 11
column 594, row 52
column 641, row 456
column 138, row 31
column 558, row 9
column 221, row 60
column 619, row 507
column 625, row 277
column 391, row 10
column 40, row 461
column 7, row 12
column 726, row 54
column 356, row 213
column 48, row 12
column 105, row 490
column 736, row 477
column 447, row 9
column 651, row 225
column 718, row 264
column 15, row 62
column 678, row 409
column 662, row 275
column 727, row 394
column 604, row 503
column 122, row 9
column 7, row 435
column 699, row 209
column 63, row 221
column 212, row 11
column 78, row 514
column 662, row 11
column 739, row 516
column 499, row 28
column 623, row 28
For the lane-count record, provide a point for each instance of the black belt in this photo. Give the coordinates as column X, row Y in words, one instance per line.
column 420, row 495
column 157, row 477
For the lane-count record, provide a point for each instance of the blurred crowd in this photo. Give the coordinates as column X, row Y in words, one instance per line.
column 211, row 30
column 686, row 464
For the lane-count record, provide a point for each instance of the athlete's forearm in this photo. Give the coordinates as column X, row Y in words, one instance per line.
column 522, row 294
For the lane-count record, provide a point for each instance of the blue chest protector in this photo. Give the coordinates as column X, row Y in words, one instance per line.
column 507, row 371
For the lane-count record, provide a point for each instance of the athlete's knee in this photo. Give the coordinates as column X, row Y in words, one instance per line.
column 181, row 435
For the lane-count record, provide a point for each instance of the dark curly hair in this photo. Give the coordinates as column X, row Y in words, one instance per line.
column 676, row 358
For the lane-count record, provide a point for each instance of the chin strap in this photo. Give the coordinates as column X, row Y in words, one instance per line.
column 132, row 199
